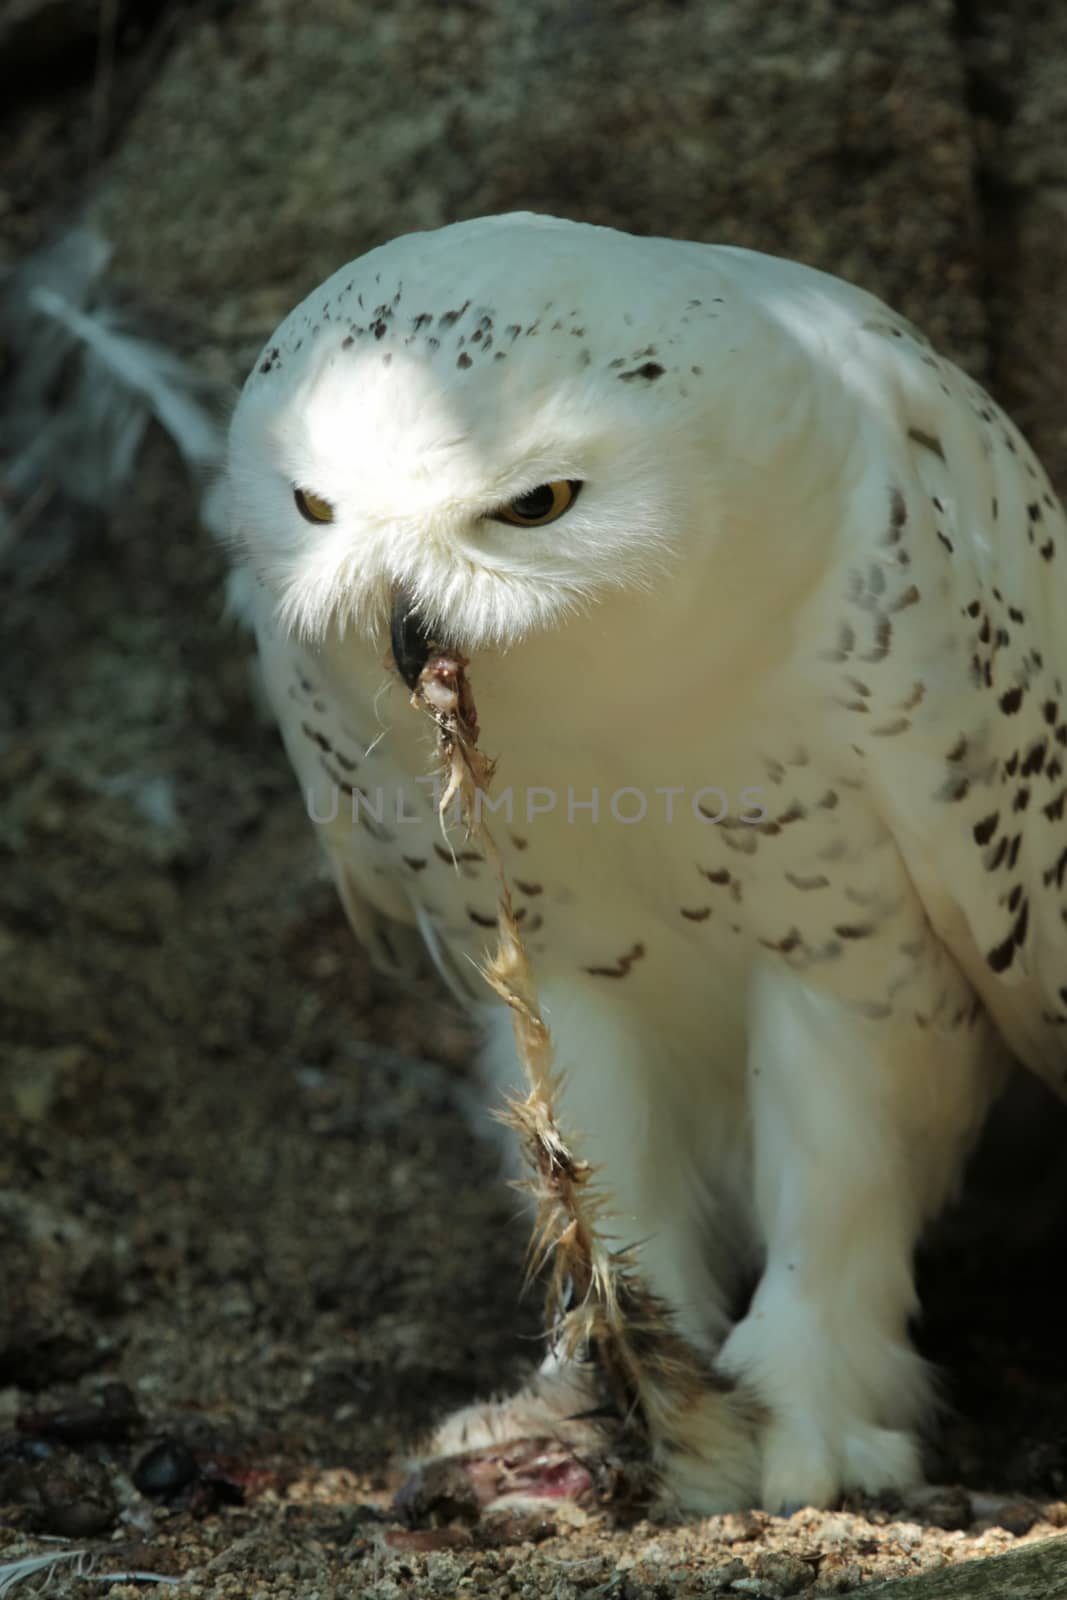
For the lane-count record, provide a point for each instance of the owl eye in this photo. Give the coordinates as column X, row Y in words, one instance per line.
column 312, row 507
column 538, row 506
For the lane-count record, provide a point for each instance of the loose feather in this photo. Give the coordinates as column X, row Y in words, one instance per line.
column 84, row 389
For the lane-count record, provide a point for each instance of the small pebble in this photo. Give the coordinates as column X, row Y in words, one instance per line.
column 1017, row 1518
column 165, row 1469
column 950, row 1508
column 77, row 1504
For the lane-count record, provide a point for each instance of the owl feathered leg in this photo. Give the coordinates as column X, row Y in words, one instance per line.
column 860, row 1130
column 820, row 1163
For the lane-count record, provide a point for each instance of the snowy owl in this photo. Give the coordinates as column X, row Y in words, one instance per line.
column 764, row 606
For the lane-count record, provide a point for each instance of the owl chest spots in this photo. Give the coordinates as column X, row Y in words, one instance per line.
column 801, row 876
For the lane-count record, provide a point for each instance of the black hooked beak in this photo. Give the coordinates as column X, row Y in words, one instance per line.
column 411, row 640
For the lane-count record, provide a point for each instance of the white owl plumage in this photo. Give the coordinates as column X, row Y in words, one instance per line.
column 777, row 692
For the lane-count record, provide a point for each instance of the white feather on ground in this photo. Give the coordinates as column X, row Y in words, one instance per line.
column 13, row 1573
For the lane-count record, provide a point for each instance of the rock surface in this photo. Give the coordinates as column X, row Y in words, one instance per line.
column 294, row 134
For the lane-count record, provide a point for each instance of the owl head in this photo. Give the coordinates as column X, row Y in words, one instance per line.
column 491, row 426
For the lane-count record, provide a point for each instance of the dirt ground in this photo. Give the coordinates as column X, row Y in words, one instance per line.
column 252, row 1246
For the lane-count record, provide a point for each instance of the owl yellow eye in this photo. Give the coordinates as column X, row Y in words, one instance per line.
column 538, row 506
column 312, row 507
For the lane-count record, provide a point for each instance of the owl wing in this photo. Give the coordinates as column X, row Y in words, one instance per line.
column 966, row 600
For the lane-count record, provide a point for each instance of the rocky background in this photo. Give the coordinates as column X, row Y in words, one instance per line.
column 250, row 1246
